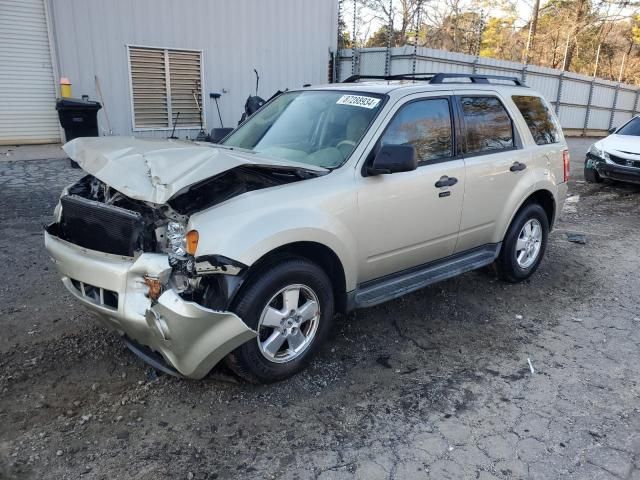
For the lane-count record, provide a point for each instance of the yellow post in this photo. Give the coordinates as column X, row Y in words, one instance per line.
column 65, row 87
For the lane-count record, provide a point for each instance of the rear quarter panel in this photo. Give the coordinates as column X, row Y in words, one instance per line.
column 545, row 167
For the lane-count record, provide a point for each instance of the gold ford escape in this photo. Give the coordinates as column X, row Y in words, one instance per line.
column 327, row 199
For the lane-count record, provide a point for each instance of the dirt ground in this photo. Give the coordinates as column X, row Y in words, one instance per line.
column 433, row 385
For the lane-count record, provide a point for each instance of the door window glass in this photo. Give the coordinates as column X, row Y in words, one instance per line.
column 541, row 123
column 488, row 126
column 425, row 124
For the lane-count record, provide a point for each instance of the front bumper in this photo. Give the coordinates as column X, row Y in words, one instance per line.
column 190, row 338
column 613, row 170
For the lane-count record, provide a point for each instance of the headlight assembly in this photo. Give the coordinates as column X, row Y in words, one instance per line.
column 598, row 152
column 181, row 242
column 176, row 239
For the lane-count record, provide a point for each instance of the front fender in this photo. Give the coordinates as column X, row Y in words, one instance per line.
column 249, row 236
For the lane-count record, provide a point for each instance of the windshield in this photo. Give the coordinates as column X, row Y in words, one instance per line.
column 319, row 128
column 631, row 128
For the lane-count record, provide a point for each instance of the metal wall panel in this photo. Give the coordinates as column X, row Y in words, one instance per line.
column 287, row 41
column 27, row 86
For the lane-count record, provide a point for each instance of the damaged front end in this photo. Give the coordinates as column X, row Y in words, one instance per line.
column 130, row 262
column 123, row 245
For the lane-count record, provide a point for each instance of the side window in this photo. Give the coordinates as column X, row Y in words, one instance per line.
column 425, row 124
column 541, row 123
column 488, row 126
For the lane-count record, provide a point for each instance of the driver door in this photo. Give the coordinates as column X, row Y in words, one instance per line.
column 405, row 220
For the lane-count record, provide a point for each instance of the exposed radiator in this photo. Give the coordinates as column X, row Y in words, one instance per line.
column 101, row 227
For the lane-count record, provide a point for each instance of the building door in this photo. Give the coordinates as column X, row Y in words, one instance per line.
column 27, row 85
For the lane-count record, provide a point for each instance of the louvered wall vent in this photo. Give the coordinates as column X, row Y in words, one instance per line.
column 163, row 83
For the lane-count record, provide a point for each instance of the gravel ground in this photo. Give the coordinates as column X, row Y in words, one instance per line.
column 433, row 385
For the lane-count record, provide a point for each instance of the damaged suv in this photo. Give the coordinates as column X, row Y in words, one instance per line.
column 327, row 199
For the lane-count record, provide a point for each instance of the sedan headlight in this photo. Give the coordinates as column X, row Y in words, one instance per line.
column 598, row 152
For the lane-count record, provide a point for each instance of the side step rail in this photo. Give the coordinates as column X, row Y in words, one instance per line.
column 396, row 285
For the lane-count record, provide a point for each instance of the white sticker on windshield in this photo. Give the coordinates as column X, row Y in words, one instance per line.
column 358, row 101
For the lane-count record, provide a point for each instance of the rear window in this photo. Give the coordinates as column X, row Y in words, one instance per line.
column 488, row 125
column 541, row 123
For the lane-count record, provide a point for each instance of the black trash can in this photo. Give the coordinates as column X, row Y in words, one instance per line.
column 78, row 117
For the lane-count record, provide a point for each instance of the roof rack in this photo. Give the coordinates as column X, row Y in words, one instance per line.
column 437, row 78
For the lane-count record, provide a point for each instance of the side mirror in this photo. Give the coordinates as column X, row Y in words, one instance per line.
column 393, row 159
column 612, row 129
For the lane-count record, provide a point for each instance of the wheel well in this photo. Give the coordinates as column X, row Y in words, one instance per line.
column 317, row 253
column 545, row 199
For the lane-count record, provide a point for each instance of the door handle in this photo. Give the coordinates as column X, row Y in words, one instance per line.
column 446, row 181
column 517, row 166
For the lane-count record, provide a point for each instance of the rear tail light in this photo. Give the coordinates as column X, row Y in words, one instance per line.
column 565, row 162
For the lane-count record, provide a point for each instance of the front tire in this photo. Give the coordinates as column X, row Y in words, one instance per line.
column 290, row 304
column 591, row 175
column 524, row 244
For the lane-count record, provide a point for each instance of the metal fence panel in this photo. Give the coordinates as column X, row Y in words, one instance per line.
column 602, row 96
column 598, row 119
column 626, row 99
column 572, row 117
column 585, row 104
column 575, row 92
column 620, row 118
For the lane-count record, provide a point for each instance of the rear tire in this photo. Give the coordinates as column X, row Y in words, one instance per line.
column 290, row 330
column 524, row 244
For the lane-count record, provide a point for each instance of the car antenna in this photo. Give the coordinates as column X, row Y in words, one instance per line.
column 257, row 80
column 173, row 131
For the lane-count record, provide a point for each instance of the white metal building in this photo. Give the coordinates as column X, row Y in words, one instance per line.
column 147, row 60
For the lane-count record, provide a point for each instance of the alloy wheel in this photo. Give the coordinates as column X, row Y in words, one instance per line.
column 288, row 323
column 529, row 243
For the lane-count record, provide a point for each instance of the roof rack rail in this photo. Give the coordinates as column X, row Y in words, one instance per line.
column 402, row 76
column 437, row 78
column 475, row 78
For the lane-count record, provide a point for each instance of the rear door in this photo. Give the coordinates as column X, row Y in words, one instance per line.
column 545, row 135
column 411, row 218
column 495, row 162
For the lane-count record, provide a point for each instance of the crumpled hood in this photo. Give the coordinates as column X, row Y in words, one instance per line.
column 621, row 143
column 155, row 170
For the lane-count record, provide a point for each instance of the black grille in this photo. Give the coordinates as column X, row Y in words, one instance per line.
column 625, row 161
column 101, row 227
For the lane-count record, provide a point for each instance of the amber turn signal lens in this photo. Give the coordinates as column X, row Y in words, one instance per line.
column 192, row 241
